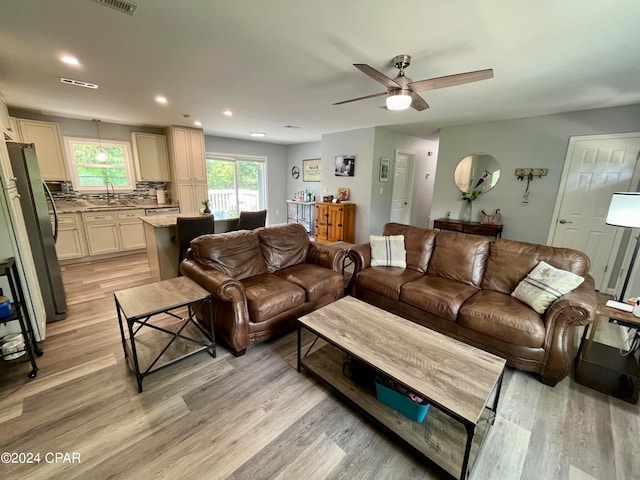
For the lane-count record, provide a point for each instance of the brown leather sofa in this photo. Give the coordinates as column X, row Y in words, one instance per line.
column 460, row 285
column 261, row 281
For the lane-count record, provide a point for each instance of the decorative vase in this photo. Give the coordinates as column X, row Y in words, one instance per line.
column 466, row 211
column 206, row 211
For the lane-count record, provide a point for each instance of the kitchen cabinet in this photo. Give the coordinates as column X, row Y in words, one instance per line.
column 71, row 240
column 8, row 125
column 151, row 157
column 102, row 232
column 48, row 142
column 130, row 230
column 114, row 231
column 335, row 222
column 189, row 172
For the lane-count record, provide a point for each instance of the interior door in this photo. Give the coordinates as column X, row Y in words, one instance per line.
column 402, row 187
column 595, row 167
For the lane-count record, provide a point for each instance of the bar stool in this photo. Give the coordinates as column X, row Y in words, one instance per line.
column 188, row 228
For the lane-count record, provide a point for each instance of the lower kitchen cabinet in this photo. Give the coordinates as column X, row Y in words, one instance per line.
column 131, row 230
column 71, row 240
column 102, row 232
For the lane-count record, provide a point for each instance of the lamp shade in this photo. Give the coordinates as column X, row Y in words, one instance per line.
column 624, row 210
column 398, row 99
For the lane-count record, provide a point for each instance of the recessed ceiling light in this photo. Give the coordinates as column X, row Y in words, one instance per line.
column 258, row 134
column 161, row 99
column 197, row 124
column 228, row 113
column 69, row 60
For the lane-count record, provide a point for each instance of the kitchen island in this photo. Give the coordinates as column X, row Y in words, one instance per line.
column 162, row 248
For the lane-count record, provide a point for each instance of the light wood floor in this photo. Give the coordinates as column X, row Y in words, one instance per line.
column 255, row 417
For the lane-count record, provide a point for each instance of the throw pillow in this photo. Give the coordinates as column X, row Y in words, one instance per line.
column 544, row 284
column 388, row 251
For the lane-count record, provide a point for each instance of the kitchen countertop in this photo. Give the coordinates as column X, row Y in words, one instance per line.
column 163, row 221
column 84, row 206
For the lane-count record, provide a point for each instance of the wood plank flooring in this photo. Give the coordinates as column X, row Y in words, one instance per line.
column 255, row 417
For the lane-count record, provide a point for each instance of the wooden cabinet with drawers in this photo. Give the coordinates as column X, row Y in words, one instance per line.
column 335, row 222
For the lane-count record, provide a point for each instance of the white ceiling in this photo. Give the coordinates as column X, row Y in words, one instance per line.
column 285, row 62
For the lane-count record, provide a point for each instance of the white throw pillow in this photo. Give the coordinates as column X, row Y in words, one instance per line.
column 544, row 284
column 388, row 251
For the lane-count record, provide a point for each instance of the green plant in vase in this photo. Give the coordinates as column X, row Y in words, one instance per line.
column 467, row 208
column 206, row 210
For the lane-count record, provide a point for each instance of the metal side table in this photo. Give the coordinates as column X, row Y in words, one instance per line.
column 159, row 306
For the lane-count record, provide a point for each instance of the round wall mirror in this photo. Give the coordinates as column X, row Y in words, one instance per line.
column 477, row 171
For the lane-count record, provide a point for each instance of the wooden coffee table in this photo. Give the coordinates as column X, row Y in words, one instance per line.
column 460, row 381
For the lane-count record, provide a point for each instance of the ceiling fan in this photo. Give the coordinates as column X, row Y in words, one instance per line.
column 402, row 92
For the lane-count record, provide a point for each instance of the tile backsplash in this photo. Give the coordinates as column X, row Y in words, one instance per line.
column 143, row 191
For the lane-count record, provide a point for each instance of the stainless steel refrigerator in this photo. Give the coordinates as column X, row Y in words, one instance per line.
column 34, row 196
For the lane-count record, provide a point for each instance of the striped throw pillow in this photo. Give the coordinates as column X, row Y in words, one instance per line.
column 545, row 284
column 388, row 251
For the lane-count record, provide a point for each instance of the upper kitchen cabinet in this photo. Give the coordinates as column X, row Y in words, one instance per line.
column 151, row 157
column 8, row 129
column 46, row 137
column 188, row 167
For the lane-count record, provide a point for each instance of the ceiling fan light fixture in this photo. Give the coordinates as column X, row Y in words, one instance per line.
column 398, row 99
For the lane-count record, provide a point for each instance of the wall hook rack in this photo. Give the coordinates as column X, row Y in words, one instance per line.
column 521, row 173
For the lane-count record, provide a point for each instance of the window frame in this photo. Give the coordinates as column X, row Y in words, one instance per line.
column 128, row 163
column 235, row 158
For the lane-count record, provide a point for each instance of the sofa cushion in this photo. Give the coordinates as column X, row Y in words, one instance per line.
column 510, row 261
column 316, row 281
column 386, row 281
column 388, row 251
column 545, row 284
column 269, row 295
column 437, row 295
column 503, row 317
column 284, row 245
column 459, row 257
column 236, row 254
column 418, row 243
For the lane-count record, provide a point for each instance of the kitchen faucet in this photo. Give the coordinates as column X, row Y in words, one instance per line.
column 113, row 192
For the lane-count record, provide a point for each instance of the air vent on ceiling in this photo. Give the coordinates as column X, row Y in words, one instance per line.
column 123, row 6
column 78, row 83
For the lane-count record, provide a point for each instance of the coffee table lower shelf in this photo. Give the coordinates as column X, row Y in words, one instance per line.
column 439, row 437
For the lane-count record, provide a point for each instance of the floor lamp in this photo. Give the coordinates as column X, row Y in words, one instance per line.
column 624, row 211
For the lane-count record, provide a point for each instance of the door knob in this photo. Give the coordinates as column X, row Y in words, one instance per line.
column 563, row 221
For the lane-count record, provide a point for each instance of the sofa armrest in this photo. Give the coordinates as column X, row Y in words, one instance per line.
column 360, row 256
column 327, row 256
column 576, row 308
column 221, row 286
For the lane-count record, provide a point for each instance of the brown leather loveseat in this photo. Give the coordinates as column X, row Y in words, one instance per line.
column 461, row 285
column 261, row 281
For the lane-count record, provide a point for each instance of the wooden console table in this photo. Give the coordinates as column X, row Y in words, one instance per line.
column 475, row 228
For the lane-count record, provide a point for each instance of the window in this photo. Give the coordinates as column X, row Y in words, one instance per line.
column 235, row 184
column 88, row 173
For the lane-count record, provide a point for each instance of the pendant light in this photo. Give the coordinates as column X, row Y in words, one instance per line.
column 101, row 156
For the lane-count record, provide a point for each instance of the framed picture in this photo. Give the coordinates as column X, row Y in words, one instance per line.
column 311, row 170
column 345, row 165
column 384, row 169
column 343, row 194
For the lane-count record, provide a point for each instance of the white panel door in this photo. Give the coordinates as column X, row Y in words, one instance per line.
column 595, row 168
column 402, row 188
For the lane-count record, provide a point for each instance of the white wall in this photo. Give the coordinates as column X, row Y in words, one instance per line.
column 359, row 143
column 527, row 142
column 295, row 155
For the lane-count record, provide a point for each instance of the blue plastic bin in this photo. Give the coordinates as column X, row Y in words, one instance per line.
column 5, row 307
column 410, row 409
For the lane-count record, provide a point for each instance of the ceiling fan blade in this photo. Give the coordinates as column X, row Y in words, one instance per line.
column 451, row 80
column 376, row 75
column 418, row 103
column 361, row 98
